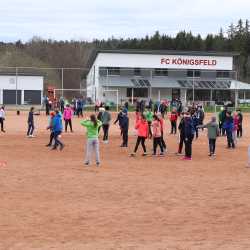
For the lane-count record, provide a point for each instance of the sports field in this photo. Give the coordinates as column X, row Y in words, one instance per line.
column 50, row 200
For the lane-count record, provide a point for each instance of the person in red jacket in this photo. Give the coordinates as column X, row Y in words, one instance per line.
column 142, row 130
column 173, row 120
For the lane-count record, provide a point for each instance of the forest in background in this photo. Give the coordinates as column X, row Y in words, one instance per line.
column 39, row 52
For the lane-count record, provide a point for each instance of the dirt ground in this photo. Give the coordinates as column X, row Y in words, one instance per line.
column 50, row 200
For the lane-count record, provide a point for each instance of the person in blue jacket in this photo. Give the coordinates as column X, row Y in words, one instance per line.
column 124, row 128
column 189, row 131
column 228, row 125
column 57, row 129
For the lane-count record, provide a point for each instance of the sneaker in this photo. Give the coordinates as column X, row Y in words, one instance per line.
column 210, row 154
column 105, row 142
column 144, row 154
column 179, row 154
column 214, row 154
column 161, row 154
column 61, row 147
column 86, row 163
column 32, row 136
column 187, row 158
column 132, row 154
column 54, row 148
column 48, row 145
column 3, row 131
column 98, row 164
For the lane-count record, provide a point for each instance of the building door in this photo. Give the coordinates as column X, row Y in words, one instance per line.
column 9, row 97
column 176, row 94
column 32, row 97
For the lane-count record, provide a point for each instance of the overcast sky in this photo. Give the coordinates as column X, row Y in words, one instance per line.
column 88, row 19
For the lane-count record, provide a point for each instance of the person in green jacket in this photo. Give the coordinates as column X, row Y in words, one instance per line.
column 92, row 126
column 149, row 117
column 212, row 134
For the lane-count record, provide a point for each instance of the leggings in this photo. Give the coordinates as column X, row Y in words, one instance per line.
column 140, row 140
column 157, row 142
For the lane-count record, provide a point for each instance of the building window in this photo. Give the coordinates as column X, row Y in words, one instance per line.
column 113, row 71
column 193, row 73
column 222, row 74
column 137, row 72
column 138, row 92
column 160, row 72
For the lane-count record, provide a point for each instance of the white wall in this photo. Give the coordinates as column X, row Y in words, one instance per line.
column 159, row 61
column 23, row 82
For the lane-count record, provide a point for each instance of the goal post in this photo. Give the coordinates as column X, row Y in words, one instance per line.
column 116, row 91
column 80, row 91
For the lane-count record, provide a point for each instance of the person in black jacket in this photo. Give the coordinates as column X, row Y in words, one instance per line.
column 31, row 126
column 189, row 135
column 181, row 129
column 239, row 129
column 124, row 128
column 119, row 119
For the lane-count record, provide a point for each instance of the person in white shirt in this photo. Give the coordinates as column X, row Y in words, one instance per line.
column 2, row 118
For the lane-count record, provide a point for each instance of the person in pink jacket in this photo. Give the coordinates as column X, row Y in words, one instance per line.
column 142, row 131
column 157, row 132
column 67, row 116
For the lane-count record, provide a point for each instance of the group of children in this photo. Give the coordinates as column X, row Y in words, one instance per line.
column 148, row 125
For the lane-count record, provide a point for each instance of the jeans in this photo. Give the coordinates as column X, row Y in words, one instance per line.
column 125, row 137
column 51, row 137
column 188, row 146
column 173, row 127
column 162, row 141
column 157, row 142
column 68, row 122
column 230, row 141
column 212, row 144
column 30, row 129
column 105, row 128
column 239, row 130
column 57, row 141
column 140, row 140
column 182, row 139
column 92, row 145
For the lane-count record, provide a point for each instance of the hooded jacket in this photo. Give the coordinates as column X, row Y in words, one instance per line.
column 68, row 113
column 142, row 128
column 57, row 123
column 212, row 129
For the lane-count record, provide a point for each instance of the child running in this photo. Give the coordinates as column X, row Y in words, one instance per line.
column 57, row 129
column 212, row 133
column 92, row 126
column 156, row 125
column 2, row 118
column 31, row 126
column 50, row 127
column 142, row 131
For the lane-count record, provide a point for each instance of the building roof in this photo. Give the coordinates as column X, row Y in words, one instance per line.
column 159, row 52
